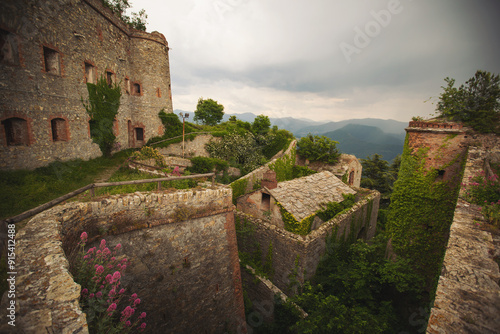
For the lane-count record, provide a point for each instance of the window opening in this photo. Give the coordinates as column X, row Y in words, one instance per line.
column 16, row 131
column 127, row 85
column 136, row 89
column 9, row 50
column 351, row 178
column 158, row 92
column 109, row 78
column 59, row 130
column 51, row 61
column 139, row 134
column 90, row 73
column 266, row 202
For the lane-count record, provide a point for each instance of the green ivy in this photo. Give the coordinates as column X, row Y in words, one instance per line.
column 332, row 209
column 283, row 167
column 302, row 227
column 239, row 187
column 421, row 212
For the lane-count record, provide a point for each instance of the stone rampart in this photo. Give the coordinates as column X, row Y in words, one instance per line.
column 183, row 253
column 192, row 148
column 295, row 257
column 468, row 293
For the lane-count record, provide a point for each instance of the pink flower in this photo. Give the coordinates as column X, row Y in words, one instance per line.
column 143, row 325
column 111, row 308
column 106, row 251
column 122, row 291
column 91, row 295
column 109, row 278
column 128, row 323
column 83, row 236
column 85, row 291
column 143, row 315
column 91, row 250
column 86, row 256
column 113, row 258
column 111, row 293
column 117, row 247
column 99, row 270
column 137, row 302
column 99, row 294
column 134, row 296
column 103, row 244
column 116, row 276
column 127, row 312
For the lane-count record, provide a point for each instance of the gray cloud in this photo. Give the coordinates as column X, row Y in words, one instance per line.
column 289, row 58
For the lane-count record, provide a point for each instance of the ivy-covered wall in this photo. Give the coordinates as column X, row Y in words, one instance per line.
column 424, row 198
column 294, row 258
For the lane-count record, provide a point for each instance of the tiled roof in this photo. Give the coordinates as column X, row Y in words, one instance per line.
column 303, row 196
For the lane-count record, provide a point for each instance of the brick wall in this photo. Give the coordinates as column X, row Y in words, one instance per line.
column 73, row 33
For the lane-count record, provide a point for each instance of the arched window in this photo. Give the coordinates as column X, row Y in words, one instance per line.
column 16, row 131
column 59, row 129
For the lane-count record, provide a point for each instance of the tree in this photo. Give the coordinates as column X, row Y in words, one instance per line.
column 102, row 107
column 318, row 148
column 377, row 174
column 208, row 111
column 137, row 21
column 476, row 103
column 261, row 125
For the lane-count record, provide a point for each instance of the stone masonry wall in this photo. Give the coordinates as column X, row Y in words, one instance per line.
column 468, row 293
column 192, row 148
column 307, row 250
column 59, row 46
column 183, row 252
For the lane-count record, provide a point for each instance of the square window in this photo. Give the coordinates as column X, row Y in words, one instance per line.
column 59, row 129
column 51, row 59
column 16, row 131
column 109, row 78
column 136, row 89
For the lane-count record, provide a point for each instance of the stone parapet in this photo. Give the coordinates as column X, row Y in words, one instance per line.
column 183, row 261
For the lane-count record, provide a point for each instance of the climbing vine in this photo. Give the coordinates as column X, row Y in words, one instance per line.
column 421, row 212
column 283, row 167
column 239, row 187
column 302, row 227
column 102, row 107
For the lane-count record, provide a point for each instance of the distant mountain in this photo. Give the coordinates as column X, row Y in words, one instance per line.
column 363, row 141
column 287, row 123
column 386, row 125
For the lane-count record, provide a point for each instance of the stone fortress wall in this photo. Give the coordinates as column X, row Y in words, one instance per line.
column 183, row 252
column 49, row 50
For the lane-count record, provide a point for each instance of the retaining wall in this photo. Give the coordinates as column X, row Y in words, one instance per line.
column 183, row 252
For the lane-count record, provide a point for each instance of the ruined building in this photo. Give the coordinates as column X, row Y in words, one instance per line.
column 49, row 50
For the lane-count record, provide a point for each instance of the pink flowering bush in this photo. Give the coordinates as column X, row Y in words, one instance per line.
column 103, row 299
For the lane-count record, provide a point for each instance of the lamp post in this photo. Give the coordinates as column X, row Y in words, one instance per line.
column 184, row 116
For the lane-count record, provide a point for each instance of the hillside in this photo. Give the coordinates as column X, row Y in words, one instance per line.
column 363, row 141
column 386, row 125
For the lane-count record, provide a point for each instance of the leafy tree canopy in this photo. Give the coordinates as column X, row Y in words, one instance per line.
column 318, row 148
column 476, row 103
column 208, row 112
column 377, row 174
column 102, row 107
column 137, row 21
column 261, row 125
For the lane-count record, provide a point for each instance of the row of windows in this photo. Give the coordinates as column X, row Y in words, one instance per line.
column 17, row 132
column 9, row 53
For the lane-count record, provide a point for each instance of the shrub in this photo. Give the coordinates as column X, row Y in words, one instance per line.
column 318, row 148
column 99, row 273
column 207, row 165
column 331, row 209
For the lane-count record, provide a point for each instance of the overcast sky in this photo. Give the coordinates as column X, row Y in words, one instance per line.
column 325, row 60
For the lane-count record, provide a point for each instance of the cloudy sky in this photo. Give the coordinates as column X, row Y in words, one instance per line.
column 325, row 60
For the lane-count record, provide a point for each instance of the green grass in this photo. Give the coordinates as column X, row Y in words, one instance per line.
column 127, row 174
column 24, row 189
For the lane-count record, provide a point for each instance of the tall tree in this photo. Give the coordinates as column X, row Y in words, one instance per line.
column 208, row 112
column 102, row 107
column 377, row 175
column 476, row 103
column 261, row 125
